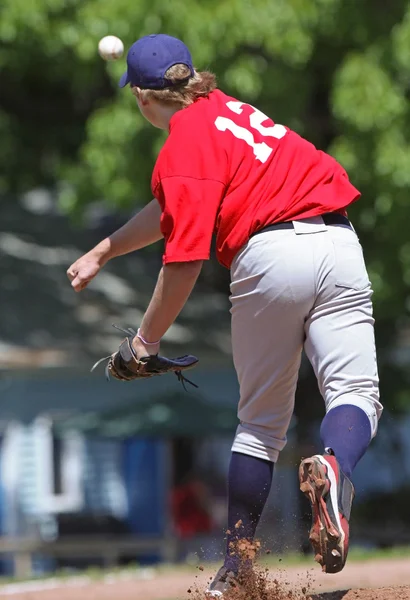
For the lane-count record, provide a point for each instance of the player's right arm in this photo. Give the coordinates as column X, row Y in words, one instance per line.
column 140, row 231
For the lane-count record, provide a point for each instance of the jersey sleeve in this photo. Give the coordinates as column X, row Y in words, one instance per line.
column 189, row 211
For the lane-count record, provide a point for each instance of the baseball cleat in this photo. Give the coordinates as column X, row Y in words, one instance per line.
column 331, row 494
column 222, row 583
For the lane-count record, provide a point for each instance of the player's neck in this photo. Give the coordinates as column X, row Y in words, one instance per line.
column 164, row 115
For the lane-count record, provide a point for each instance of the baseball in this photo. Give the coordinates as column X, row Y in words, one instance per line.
column 110, row 47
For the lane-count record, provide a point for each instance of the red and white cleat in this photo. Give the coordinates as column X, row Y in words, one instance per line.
column 331, row 495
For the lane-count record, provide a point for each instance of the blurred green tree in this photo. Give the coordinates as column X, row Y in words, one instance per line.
column 336, row 71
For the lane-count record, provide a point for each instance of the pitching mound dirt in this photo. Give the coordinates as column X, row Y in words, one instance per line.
column 390, row 593
column 260, row 586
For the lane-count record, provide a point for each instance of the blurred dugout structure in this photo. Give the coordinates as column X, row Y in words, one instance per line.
column 61, row 481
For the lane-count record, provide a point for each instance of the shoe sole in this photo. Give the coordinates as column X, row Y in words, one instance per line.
column 326, row 536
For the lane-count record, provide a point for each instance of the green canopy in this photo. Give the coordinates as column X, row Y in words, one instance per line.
column 171, row 415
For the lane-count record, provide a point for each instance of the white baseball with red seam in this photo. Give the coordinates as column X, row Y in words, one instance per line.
column 110, row 47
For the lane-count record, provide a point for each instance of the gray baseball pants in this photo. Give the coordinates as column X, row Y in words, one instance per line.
column 305, row 287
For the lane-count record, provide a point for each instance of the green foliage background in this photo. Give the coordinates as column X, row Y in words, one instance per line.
column 336, row 71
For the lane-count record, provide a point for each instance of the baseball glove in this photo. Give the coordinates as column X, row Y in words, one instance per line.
column 126, row 366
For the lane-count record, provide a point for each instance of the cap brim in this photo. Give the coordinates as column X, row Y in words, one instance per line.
column 125, row 80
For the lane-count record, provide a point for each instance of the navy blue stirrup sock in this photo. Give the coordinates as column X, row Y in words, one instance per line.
column 249, row 483
column 347, row 432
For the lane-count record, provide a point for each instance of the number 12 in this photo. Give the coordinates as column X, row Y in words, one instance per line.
column 261, row 150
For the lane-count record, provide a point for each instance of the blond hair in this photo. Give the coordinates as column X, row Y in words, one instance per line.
column 187, row 88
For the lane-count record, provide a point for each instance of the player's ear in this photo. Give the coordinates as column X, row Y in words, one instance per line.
column 143, row 97
column 137, row 92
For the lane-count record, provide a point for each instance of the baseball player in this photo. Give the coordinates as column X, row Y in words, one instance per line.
column 277, row 207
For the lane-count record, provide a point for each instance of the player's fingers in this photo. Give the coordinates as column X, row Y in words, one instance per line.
column 78, row 283
column 71, row 273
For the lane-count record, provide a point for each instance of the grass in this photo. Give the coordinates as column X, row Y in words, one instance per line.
column 356, row 554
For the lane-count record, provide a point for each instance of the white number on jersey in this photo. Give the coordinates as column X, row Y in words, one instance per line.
column 261, row 150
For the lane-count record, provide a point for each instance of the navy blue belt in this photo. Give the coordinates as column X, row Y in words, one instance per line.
column 328, row 219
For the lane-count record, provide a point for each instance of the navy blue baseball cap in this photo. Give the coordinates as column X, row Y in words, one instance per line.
column 150, row 57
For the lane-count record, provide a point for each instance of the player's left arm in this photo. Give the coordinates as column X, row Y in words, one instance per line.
column 174, row 286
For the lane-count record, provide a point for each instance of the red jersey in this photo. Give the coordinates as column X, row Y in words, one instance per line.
column 226, row 168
